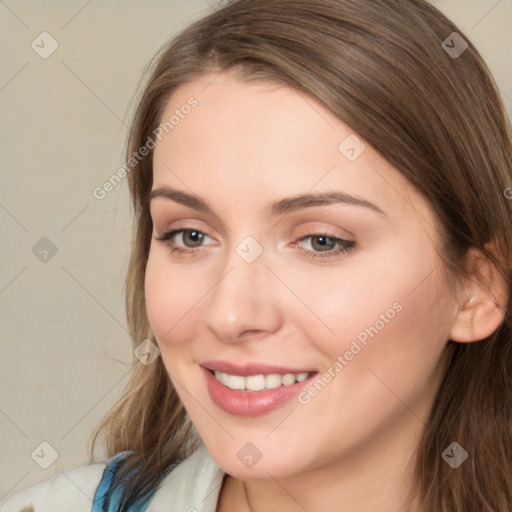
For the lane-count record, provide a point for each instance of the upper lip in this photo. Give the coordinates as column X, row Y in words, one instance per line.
column 251, row 368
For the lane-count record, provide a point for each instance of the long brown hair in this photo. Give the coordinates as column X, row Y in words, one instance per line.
column 382, row 68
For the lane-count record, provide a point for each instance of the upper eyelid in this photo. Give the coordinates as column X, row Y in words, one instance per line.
column 299, row 214
column 177, row 231
column 307, row 231
column 308, row 234
column 345, row 246
column 215, row 220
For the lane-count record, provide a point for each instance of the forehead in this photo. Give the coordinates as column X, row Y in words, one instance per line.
column 263, row 141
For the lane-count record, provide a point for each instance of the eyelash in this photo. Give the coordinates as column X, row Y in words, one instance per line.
column 345, row 245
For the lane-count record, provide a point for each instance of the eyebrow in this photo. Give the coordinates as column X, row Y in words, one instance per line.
column 280, row 207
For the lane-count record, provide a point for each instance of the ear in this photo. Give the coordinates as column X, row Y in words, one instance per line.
column 482, row 300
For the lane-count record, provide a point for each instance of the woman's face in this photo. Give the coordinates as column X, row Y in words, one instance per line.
column 273, row 281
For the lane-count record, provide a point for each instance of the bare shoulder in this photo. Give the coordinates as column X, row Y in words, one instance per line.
column 74, row 487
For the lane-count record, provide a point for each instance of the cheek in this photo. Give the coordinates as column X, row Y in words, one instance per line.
column 394, row 312
column 172, row 296
column 386, row 357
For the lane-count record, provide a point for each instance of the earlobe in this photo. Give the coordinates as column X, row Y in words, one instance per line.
column 476, row 321
column 481, row 309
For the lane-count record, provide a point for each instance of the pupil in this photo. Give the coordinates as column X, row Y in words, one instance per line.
column 322, row 242
column 195, row 236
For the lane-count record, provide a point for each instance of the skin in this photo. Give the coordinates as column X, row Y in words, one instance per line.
column 350, row 448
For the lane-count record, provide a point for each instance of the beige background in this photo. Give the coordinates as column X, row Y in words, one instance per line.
column 65, row 352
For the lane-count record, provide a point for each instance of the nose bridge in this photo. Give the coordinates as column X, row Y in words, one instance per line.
column 242, row 298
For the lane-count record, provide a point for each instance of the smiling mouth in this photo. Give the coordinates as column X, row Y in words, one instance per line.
column 259, row 382
column 253, row 389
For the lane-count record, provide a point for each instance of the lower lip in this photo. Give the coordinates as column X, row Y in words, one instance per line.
column 251, row 403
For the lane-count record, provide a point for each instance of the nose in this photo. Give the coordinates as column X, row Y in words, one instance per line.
column 243, row 303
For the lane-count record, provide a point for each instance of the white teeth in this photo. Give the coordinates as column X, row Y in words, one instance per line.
column 222, row 377
column 273, row 380
column 259, row 382
column 302, row 376
column 288, row 378
column 236, row 382
column 255, row 382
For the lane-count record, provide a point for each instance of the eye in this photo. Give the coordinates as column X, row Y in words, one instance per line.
column 325, row 245
column 190, row 238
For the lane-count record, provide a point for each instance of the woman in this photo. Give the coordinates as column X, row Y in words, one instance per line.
column 321, row 271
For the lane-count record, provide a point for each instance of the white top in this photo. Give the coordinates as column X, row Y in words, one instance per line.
column 192, row 486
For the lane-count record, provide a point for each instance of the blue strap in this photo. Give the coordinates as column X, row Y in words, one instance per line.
column 107, row 501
